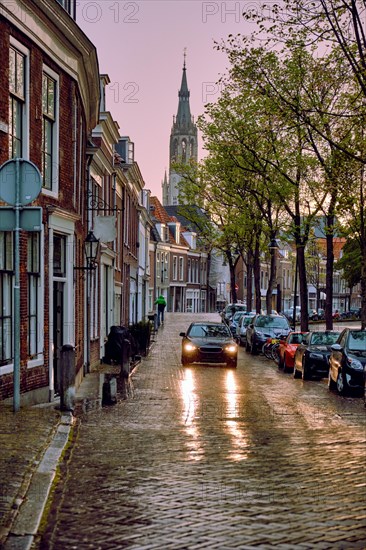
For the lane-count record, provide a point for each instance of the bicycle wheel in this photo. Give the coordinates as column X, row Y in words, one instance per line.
column 276, row 353
column 266, row 350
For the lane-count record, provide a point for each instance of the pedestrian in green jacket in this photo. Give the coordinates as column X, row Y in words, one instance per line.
column 161, row 303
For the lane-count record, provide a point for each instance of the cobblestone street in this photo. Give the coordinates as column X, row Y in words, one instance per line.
column 207, row 457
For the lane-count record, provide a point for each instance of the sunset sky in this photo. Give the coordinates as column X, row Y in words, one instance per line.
column 140, row 46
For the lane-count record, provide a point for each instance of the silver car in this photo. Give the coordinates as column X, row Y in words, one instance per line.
column 241, row 331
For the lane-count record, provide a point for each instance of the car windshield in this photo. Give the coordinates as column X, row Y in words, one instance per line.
column 246, row 321
column 209, row 331
column 324, row 338
column 275, row 322
column 238, row 315
column 296, row 338
column 357, row 340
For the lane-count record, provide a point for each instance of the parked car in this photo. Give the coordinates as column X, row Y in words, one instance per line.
column 230, row 310
column 289, row 313
column 234, row 321
column 263, row 327
column 347, row 362
column 288, row 349
column 209, row 343
column 311, row 357
column 241, row 331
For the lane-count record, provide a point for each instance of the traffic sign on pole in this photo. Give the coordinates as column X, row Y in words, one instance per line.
column 20, row 184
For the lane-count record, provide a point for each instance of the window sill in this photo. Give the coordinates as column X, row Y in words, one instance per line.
column 35, row 362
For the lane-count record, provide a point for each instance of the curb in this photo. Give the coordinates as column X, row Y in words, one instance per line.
column 27, row 522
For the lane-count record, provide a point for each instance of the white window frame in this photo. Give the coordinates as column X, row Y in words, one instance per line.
column 39, row 359
column 25, row 112
column 55, row 135
column 181, row 268
column 8, row 304
column 175, row 268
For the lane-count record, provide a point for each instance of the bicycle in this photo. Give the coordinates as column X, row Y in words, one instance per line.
column 271, row 349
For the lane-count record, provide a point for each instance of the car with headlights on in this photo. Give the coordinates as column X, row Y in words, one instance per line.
column 311, row 357
column 263, row 327
column 347, row 362
column 209, row 343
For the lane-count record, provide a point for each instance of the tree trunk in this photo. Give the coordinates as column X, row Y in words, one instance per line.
column 257, row 277
column 363, row 287
column 271, row 280
column 249, row 296
column 329, row 273
column 303, row 287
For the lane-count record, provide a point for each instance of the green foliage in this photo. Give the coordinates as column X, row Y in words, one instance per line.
column 350, row 263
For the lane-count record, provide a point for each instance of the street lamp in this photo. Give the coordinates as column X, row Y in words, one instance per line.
column 91, row 250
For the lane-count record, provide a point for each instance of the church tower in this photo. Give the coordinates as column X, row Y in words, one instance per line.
column 183, row 142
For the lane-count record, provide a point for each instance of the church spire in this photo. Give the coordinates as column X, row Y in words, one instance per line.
column 184, row 111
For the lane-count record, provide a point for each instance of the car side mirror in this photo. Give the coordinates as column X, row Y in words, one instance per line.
column 336, row 347
column 182, row 334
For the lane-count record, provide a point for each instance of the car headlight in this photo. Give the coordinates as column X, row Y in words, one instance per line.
column 231, row 349
column 355, row 364
column 189, row 347
column 316, row 356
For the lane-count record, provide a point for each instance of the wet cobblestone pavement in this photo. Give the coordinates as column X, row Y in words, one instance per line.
column 209, row 457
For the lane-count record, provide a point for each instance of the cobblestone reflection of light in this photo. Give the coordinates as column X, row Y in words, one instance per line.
column 189, row 398
column 237, row 450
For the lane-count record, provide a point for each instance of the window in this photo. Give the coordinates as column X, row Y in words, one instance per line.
column 94, row 311
column 181, row 269
column 189, row 271
column 34, row 277
column 158, row 265
column 59, row 256
column 175, row 268
column 69, row 6
column 166, row 265
column 49, row 131
column 6, row 297
column 17, row 91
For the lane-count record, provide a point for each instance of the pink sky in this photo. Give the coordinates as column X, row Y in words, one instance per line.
column 140, row 46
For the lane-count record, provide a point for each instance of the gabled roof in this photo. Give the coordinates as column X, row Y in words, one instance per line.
column 198, row 213
column 159, row 215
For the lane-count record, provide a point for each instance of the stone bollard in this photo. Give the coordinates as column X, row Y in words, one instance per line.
column 67, row 378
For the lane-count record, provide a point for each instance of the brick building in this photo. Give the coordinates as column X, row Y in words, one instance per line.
column 49, row 103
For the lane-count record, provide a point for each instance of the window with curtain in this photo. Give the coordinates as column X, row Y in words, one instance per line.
column 6, row 297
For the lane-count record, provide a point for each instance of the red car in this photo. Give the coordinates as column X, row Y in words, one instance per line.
column 288, row 348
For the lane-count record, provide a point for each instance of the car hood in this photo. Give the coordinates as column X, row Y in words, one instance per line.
column 319, row 348
column 272, row 331
column 211, row 341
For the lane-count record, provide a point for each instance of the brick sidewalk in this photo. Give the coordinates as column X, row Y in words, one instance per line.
column 24, row 437
column 31, row 442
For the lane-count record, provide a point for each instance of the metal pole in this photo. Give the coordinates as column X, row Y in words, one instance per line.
column 16, row 374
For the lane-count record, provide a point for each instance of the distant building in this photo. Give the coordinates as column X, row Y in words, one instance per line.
column 183, row 143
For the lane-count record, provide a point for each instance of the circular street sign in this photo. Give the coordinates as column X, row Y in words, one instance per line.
column 29, row 181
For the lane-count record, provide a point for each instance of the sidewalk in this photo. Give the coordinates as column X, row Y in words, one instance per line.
column 32, row 442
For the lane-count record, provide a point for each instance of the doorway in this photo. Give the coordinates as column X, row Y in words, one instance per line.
column 58, row 332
